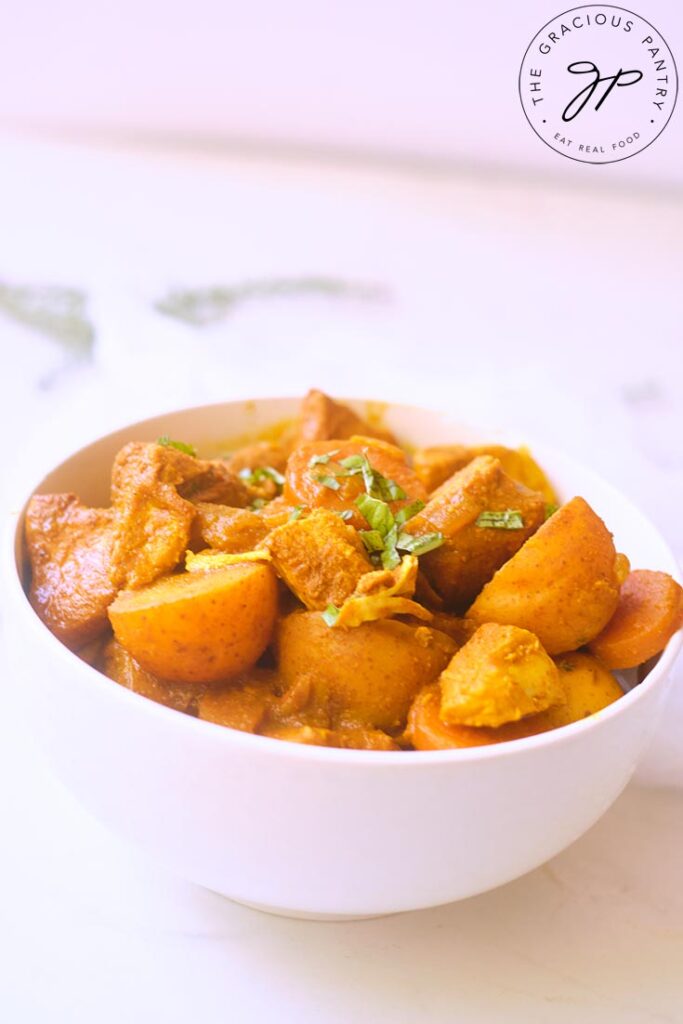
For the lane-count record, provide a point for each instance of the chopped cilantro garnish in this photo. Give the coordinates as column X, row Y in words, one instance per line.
column 295, row 513
column 353, row 463
column 508, row 519
column 328, row 481
column 384, row 528
column 322, row 460
column 331, row 614
column 386, row 489
column 550, row 509
column 390, row 558
column 376, row 485
column 377, row 513
column 188, row 449
column 372, row 539
column 419, row 545
column 256, row 476
column 408, row 511
column 258, row 503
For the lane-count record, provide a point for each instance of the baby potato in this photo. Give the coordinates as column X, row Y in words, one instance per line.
column 562, row 585
column 364, row 676
column 199, row 627
column 501, row 675
column 588, row 685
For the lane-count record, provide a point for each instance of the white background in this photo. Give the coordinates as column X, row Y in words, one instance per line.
column 424, row 79
column 520, row 290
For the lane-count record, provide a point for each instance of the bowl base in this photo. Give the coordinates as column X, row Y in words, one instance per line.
column 304, row 915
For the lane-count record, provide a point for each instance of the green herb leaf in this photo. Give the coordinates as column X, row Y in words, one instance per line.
column 408, row 511
column 322, row 460
column 372, row 539
column 188, row 449
column 331, row 614
column 509, row 519
column 353, row 463
column 419, row 545
column 550, row 509
column 377, row 513
column 390, row 558
column 255, row 476
column 258, row 503
column 328, row 481
column 386, row 489
column 295, row 513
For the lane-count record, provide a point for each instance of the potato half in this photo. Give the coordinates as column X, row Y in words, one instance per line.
column 199, row 627
column 367, row 675
column 562, row 585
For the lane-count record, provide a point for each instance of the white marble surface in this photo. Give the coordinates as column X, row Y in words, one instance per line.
column 552, row 310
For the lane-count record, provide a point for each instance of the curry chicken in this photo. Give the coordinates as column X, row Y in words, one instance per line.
column 332, row 588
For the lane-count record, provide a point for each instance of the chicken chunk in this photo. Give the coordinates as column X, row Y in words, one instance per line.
column 257, row 455
column 323, row 419
column 154, row 488
column 320, row 558
column 70, row 551
column 472, row 552
column 144, row 465
column 241, row 705
column 122, row 667
column 228, row 529
column 501, row 675
column 436, row 464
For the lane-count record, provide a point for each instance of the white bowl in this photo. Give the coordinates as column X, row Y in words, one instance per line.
column 312, row 831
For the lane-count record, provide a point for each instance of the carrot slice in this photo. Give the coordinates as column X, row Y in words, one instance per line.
column 649, row 612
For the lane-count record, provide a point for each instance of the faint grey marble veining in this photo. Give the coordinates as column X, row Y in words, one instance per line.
column 200, row 306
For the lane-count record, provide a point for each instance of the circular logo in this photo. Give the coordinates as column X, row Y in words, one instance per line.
column 598, row 83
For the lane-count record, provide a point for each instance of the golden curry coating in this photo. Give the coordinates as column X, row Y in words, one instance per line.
column 471, row 553
column 70, row 551
column 227, row 529
column 501, row 675
column 319, row 557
